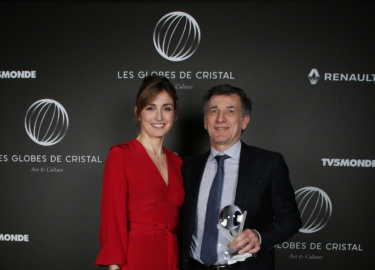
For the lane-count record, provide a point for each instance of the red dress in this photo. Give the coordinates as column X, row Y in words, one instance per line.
column 139, row 212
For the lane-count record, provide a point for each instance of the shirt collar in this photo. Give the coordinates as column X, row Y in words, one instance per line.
column 233, row 151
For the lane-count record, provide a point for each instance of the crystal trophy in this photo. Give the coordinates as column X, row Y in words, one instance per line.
column 231, row 222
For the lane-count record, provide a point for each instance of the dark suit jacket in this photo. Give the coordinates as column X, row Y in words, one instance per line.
column 263, row 189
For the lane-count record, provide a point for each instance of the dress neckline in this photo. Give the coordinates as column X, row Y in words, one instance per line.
column 154, row 165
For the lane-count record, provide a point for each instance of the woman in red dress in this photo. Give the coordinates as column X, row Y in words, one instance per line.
column 142, row 189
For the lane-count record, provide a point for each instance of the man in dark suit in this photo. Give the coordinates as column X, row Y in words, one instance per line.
column 253, row 179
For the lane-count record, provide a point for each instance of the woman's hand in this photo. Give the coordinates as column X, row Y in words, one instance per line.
column 114, row 267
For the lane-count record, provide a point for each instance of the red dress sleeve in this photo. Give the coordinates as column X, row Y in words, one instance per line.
column 113, row 234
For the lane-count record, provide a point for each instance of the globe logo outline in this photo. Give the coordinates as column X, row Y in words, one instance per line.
column 176, row 36
column 315, row 208
column 46, row 122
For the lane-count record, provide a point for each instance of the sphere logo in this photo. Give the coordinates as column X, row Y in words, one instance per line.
column 315, row 208
column 46, row 122
column 177, row 36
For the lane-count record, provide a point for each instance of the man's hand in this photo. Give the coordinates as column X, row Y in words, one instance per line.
column 250, row 239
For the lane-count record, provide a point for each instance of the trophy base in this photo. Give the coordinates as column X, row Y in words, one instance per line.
column 232, row 256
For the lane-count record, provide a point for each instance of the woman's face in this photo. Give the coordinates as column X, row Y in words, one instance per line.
column 158, row 116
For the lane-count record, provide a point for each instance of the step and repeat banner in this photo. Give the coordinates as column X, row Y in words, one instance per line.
column 69, row 73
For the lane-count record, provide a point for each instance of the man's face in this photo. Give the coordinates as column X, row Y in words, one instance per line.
column 224, row 121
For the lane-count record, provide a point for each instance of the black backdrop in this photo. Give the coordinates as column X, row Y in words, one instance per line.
column 85, row 60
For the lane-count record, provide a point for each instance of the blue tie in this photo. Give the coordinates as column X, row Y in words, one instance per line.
column 209, row 242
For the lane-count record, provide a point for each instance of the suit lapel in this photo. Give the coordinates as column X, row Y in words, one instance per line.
column 247, row 161
column 196, row 181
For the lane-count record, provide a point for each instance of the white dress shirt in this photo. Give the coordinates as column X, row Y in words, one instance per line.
column 228, row 196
